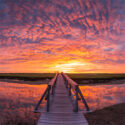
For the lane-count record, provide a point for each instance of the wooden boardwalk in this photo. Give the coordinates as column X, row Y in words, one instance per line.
column 61, row 108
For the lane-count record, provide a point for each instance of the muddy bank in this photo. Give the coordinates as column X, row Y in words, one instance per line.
column 113, row 115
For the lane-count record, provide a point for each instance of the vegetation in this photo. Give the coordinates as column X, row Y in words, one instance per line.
column 96, row 78
column 113, row 115
column 81, row 78
column 27, row 76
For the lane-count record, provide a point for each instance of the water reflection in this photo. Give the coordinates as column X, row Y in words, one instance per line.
column 101, row 96
column 17, row 102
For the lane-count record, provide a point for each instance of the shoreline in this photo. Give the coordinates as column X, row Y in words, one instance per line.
column 112, row 115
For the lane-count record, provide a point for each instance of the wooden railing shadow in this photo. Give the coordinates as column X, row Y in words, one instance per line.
column 72, row 86
column 49, row 90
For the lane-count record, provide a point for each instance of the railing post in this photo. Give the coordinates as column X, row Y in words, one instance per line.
column 66, row 83
column 48, row 97
column 53, row 90
column 65, row 80
column 69, row 90
column 76, row 101
column 53, row 87
column 36, row 108
column 55, row 81
column 84, row 101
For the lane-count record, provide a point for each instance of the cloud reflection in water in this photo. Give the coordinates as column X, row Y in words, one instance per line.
column 101, row 96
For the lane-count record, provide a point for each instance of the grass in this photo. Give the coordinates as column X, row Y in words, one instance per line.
column 17, row 101
column 95, row 78
column 73, row 76
column 113, row 115
column 27, row 76
column 81, row 78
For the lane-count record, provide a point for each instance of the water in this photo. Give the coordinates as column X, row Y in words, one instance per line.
column 18, row 100
column 100, row 96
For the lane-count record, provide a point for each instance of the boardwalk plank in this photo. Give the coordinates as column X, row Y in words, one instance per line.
column 61, row 109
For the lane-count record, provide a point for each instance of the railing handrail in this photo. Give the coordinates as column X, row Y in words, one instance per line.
column 52, row 81
column 70, row 84
column 70, row 81
column 46, row 93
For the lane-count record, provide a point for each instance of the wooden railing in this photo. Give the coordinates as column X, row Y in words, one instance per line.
column 49, row 90
column 74, row 87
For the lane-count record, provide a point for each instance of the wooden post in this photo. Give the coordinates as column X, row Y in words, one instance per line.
column 64, row 80
column 76, row 101
column 44, row 94
column 69, row 90
column 48, row 96
column 66, row 83
column 55, row 81
column 84, row 101
column 52, row 90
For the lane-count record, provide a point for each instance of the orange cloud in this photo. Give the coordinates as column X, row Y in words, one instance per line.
column 75, row 36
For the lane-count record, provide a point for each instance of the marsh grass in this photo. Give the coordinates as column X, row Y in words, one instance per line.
column 95, row 78
column 78, row 77
column 27, row 76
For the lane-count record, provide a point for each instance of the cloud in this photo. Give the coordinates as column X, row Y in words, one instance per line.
column 63, row 31
column 47, row 52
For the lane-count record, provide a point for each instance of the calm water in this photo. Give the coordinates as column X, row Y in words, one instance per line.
column 20, row 99
column 21, row 93
column 101, row 96
column 17, row 102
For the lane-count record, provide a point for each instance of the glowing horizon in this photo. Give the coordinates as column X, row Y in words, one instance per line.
column 77, row 36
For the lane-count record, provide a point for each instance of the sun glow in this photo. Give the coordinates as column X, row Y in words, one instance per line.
column 68, row 67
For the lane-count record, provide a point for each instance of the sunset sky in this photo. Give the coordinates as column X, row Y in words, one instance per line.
column 62, row 35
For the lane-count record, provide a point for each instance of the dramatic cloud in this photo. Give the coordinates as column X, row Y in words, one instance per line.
column 68, row 35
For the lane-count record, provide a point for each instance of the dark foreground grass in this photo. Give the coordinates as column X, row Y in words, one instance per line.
column 81, row 78
column 92, row 78
column 113, row 115
column 96, row 76
column 27, row 76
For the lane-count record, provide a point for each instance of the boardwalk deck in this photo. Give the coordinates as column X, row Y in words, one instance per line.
column 61, row 109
